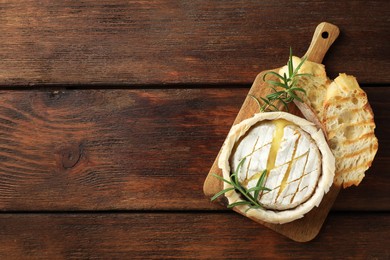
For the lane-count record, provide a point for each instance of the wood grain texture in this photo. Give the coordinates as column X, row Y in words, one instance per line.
column 184, row 235
column 324, row 36
column 167, row 41
column 135, row 149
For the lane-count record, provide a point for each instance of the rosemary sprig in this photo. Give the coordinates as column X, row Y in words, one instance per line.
column 284, row 90
column 249, row 199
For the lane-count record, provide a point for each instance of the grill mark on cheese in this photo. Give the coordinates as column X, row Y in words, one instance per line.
column 303, row 175
column 300, row 179
column 250, row 159
column 257, row 175
column 251, row 153
column 294, row 159
column 304, row 188
column 245, row 182
column 292, row 198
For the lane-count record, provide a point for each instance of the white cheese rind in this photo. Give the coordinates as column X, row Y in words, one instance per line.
column 322, row 186
column 291, row 181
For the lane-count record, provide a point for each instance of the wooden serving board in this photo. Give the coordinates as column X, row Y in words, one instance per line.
column 306, row 228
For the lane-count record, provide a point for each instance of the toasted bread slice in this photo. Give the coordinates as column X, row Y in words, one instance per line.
column 349, row 122
column 342, row 108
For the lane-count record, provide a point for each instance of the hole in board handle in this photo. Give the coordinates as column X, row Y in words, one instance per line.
column 325, row 35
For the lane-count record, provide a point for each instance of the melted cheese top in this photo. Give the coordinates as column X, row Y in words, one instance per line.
column 290, row 156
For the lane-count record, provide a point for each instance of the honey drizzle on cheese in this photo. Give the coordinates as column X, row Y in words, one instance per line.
column 277, row 138
column 287, row 174
column 280, row 124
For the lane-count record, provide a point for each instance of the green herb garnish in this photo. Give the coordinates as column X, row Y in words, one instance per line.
column 249, row 199
column 283, row 91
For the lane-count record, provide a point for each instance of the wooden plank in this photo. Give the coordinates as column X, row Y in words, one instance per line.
column 135, row 149
column 185, row 235
column 166, row 41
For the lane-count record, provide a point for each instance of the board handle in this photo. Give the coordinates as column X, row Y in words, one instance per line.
column 324, row 35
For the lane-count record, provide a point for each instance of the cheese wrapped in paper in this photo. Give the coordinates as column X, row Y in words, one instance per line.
column 296, row 156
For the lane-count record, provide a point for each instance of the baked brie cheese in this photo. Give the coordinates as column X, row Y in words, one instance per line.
column 298, row 162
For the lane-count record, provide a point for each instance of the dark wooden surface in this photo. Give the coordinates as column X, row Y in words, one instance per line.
column 112, row 113
column 134, row 149
column 183, row 235
column 169, row 41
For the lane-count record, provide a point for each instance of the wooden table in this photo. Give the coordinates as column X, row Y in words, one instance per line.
column 112, row 112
